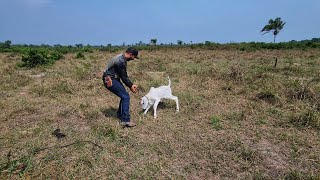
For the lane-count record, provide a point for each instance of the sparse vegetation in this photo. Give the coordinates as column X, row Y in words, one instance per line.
column 240, row 117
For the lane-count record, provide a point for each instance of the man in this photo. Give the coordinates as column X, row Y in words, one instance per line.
column 117, row 69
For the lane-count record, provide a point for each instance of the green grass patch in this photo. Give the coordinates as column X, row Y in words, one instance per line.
column 216, row 122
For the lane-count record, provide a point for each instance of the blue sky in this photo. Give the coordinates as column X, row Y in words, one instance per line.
column 102, row 22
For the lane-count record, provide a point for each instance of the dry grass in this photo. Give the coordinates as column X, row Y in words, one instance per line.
column 240, row 118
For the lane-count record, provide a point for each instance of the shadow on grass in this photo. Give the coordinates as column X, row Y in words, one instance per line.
column 163, row 105
column 110, row 112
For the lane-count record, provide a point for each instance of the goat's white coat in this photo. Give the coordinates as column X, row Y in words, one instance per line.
column 155, row 95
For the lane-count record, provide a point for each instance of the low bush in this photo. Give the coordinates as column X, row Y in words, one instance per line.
column 80, row 55
column 38, row 57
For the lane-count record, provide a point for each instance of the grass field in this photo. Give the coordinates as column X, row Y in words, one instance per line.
column 240, row 117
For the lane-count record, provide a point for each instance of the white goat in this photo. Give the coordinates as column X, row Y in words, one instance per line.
column 155, row 95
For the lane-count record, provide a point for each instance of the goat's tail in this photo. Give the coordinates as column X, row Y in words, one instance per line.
column 169, row 82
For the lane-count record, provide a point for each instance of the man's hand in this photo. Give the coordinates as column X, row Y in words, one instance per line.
column 134, row 88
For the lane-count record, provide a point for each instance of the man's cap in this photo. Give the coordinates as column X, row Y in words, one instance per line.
column 133, row 51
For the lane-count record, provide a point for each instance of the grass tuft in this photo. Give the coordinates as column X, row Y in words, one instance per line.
column 216, row 123
column 308, row 118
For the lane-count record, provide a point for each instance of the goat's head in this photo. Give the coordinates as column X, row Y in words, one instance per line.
column 144, row 102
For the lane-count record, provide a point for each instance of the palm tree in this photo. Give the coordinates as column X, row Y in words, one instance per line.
column 275, row 26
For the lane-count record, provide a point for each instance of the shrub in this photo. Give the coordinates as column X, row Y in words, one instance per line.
column 36, row 57
column 56, row 55
column 80, row 55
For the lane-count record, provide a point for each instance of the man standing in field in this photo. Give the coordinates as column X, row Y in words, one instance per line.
column 117, row 69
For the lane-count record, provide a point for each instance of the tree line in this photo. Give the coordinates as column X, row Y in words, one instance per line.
column 273, row 25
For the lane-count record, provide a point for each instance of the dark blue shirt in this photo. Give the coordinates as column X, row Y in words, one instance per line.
column 117, row 69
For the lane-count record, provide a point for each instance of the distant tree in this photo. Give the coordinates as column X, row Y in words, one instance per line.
column 207, row 42
column 7, row 44
column 274, row 26
column 153, row 41
column 315, row 39
column 79, row 45
column 179, row 42
column 57, row 46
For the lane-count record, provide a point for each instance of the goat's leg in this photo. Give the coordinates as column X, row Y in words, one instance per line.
column 155, row 108
column 175, row 98
column 148, row 107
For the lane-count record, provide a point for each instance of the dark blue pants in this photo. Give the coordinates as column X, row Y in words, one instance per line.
column 118, row 89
